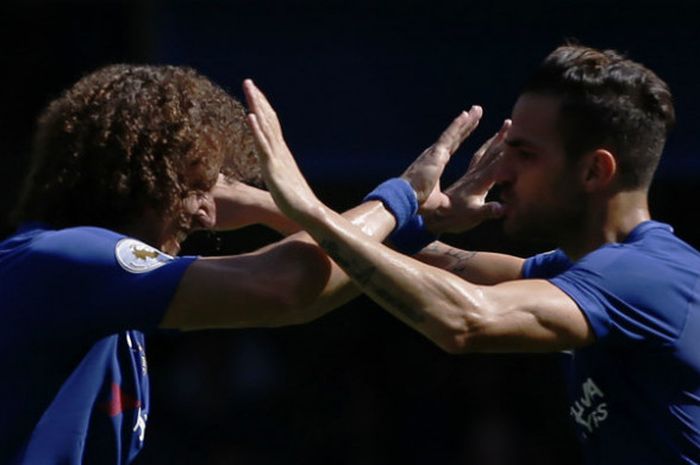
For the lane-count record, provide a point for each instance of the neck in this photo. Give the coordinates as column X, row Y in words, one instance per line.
column 609, row 220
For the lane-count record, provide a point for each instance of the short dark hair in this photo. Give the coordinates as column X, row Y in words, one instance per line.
column 124, row 138
column 608, row 101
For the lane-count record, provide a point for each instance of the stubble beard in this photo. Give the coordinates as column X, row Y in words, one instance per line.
column 550, row 226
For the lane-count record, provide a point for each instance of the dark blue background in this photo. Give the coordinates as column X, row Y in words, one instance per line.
column 361, row 88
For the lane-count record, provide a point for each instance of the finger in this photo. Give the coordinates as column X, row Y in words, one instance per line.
column 494, row 152
column 260, row 105
column 507, row 123
column 492, row 210
column 474, row 216
column 459, row 129
column 478, row 155
column 266, row 117
column 249, row 90
column 261, row 141
column 254, row 97
column 500, row 136
column 492, row 148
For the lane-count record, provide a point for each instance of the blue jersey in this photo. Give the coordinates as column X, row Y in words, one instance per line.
column 635, row 392
column 73, row 305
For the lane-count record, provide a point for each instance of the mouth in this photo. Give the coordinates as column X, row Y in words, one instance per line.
column 506, row 201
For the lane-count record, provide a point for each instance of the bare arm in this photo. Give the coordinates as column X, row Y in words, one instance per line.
column 293, row 281
column 456, row 314
column 239, row 205
column 288, row 282
column 477, row 267
column 459, row 316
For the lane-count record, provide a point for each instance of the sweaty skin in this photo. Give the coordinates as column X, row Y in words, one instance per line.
column 527, row 315
column 292, row 281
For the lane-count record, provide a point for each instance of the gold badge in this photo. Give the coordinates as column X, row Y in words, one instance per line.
column 136, row 257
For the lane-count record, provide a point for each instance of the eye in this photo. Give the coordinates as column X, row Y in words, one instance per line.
column 525, row 155
column 202, row 185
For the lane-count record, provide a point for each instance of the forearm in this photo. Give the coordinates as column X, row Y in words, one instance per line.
column 239, row 205
column 484, row 268
column 432, row 301
column 373, row 222
column 274, row 219
column 401, row 196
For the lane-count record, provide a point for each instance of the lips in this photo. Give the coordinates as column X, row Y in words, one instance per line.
column 508, row 202
column 506, row 198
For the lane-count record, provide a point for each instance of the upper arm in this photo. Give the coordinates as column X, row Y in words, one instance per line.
column 269, row 287
column 96, row 282
column 527, row 316
column 288, row 282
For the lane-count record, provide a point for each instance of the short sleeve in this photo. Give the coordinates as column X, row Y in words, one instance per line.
column 626, row 295
column 545, row 265
column 93, row 280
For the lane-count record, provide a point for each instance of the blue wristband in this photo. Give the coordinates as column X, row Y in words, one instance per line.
column 412, row 237
column 398, row 197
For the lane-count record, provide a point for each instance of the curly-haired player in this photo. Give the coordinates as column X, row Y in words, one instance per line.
column 133, row 140
column 126, row 163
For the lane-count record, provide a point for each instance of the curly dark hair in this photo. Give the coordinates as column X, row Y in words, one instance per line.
column 611, row 102
column 126, row 138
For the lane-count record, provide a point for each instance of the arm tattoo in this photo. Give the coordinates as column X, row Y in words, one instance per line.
column 461, row 257
column 457, row 258
column 364, row 274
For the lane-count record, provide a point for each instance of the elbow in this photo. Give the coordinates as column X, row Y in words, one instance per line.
column 296, row 291
column 455, row 342
column 449, row 345
column 452, row 334
column 465, row 330
column 462, row 340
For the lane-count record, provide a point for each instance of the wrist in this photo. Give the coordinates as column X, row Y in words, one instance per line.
column 432, row 224
column 398, row 197
column 413, row 236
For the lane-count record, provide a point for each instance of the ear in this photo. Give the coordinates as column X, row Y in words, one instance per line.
column 599, row 168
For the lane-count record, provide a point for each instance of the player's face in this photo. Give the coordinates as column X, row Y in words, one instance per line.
column 540, row 190
column 198, row 210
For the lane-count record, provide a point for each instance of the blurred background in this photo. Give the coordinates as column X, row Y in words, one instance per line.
column 361, row 88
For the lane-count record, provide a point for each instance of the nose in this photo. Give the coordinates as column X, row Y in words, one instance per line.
column 505, row 172
column 202, row 208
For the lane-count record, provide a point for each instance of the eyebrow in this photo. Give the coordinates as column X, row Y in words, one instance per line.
column 518, row 143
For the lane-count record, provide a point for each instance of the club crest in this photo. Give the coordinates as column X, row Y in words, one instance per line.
column 136, row 257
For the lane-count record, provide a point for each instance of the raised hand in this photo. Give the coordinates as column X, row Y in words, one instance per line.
column 424, row 173
column 463, row 205
column 287, row 185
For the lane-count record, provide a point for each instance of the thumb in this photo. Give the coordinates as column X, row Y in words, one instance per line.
column 491, row 210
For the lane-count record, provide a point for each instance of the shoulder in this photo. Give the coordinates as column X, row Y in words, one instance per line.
column 640, row 287
column 68, row 243
column 651, row 252
column 546, row 265
column 75, row 241
column 93, row 277
column 87, row 248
